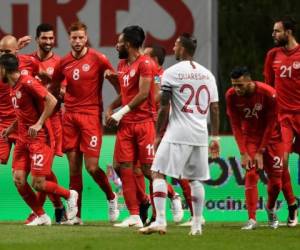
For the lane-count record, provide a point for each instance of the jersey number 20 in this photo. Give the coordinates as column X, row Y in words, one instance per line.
column 195, row 95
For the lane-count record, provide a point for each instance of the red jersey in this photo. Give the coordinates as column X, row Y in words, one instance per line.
column 129, row 77
column 27, row 65
column 282, row 70
column 254, row 118
column 27, row 97
column 47, row 65
column 84, row 80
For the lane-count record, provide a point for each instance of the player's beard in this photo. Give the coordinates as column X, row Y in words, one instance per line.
column 78, row 49
column 123, row 54
column 282, row 42
column 46, row 48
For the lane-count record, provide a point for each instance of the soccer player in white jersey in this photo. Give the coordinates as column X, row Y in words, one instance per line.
column 191, row 91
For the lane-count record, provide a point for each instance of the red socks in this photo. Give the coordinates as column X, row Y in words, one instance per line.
column 251, row 192
column 274, row 187
column 129, row 190
column 287, row 187
column 30, row 198
column 186, row 189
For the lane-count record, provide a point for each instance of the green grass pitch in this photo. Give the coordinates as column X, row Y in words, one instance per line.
column 103, row 236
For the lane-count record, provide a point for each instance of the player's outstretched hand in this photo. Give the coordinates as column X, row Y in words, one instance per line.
column 34, row 129
column 24, row 41
column 258, row 160
column 214, row 149
column 246, row 161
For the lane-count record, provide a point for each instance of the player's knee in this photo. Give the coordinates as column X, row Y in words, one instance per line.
column 19, row 178
column 147, row 171
column 92, row 168
column 38, row 184
column 275, row 183
column 138, row 171
column 157, row 175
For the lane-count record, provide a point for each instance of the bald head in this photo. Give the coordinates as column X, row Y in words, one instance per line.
column 8, row 44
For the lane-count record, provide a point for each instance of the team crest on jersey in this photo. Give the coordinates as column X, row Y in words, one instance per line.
column 85, row 67
column 18, row 94
column 296, row 65
column 156, row 79
column 50, row 70
column 132, row 73
column 24, row 72
column 258, row 106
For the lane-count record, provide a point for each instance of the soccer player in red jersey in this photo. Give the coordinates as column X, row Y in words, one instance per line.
column 47, row 60
column 282, row 70
column 83, row 70
column 28, row 65
column 33, row 153
column 136, row 132
column 253, row 113
column 9, row 44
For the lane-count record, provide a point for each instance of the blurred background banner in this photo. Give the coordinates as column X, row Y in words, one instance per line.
column 225, row 199
column 162, row 20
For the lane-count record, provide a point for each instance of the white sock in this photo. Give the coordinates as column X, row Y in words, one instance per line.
column 160, row 186
column 198, row 195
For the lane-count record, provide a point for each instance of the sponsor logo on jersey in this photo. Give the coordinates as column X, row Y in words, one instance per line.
column 50, row 70
column 18, row 94
column 296, row 65
column 132, row 73
column 24, row 72
column 85, row 67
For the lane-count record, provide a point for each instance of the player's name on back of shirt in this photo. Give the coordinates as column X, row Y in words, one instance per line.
column 192, row 76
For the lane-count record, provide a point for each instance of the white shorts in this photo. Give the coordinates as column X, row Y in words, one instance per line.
column 182, row 161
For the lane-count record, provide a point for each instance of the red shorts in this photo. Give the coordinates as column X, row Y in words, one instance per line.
column 56, row 124
column 272, row 157
column 290, row 129
column 135, row 142
column 82, row 132
column 5, row 144
column 35, row 157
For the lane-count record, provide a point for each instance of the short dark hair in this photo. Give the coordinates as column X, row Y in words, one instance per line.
column 288, row 23
column 9, row 62
column 77, row 26
column 135, row 35
column 43, row 27
column 239, row 71
column 159, row 52
column 189, row 42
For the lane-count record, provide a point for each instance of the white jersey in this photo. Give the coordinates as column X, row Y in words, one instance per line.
column 193, row 90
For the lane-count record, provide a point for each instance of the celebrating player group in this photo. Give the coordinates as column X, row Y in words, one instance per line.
column 52, row 105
